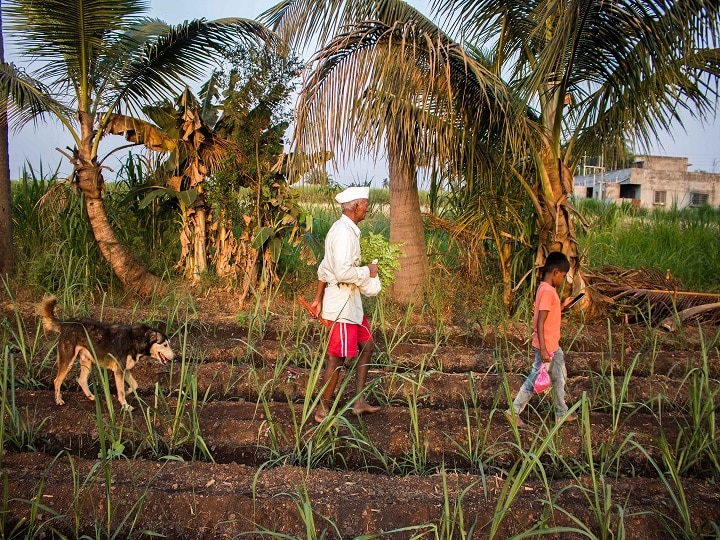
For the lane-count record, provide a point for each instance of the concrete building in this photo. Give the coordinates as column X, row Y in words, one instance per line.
column 653, row 182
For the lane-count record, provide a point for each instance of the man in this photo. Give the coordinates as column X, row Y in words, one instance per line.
column 338, row 299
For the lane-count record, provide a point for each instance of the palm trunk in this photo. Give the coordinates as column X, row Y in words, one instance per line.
column 88, row 176
column 555, row 226
column 406, row 227
column 127, row 268
column 6, row 243
column 556, row 230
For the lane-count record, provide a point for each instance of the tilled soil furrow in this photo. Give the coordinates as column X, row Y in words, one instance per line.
column 225, row 500
column 251, row 433
column 464, row 359
column 436, row 389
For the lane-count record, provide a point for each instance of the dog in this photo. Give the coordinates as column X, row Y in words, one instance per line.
column 114, row 346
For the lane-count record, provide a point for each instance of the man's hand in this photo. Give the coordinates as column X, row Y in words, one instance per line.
column 373, row 268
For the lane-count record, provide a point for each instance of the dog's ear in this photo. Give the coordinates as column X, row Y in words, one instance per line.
column 153, row 336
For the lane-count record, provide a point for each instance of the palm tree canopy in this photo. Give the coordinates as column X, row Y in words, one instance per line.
column 301, row 22
column 623, row 68
column 394, row 70
column 104, row 56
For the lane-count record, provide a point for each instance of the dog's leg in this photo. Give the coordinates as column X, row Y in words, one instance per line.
column 63, row 369
column 130, row 363
column 120, row 385
column 132, row 383
column 86, row 362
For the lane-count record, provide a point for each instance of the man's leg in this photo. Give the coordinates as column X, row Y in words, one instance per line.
column 360, row 405
column 329, row 381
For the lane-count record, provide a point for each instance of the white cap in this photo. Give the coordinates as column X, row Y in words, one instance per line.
column 352, row 193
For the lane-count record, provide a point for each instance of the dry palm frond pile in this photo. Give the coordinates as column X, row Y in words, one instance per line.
column 649, row 295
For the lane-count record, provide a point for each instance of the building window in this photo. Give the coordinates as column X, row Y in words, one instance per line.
column 629, row 191
column 639, row 164
column 660, row 197
column 698, row 198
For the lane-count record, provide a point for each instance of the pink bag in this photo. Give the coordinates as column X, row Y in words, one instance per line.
column 542, row 381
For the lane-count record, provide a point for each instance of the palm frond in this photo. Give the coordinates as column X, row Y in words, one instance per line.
column 376, row 77
column 182, row 53
column 643, row 292
column 628, row 66
column 68, row 36
column 301, row 22
column 27, row 99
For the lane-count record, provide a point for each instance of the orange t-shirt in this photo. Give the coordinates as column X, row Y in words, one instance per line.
column 547, row 299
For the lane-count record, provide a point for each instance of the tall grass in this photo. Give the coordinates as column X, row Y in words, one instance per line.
column 686, row 242
column 55, row 248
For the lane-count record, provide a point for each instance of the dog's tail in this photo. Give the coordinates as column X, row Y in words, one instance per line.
column 46, row 309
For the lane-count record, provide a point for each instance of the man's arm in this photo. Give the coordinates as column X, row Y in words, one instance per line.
column 319, row 295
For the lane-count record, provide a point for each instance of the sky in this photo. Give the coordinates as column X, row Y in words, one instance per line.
column 36, row 145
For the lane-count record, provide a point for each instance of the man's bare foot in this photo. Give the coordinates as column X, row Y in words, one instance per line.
column 320, row 413
column 363, row 407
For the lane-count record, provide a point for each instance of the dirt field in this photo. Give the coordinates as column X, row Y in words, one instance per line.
column 442, row 459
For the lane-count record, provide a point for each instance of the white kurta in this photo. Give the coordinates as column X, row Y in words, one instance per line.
column 341, row 271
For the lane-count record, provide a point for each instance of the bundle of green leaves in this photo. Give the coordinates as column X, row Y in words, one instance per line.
column 376, row 247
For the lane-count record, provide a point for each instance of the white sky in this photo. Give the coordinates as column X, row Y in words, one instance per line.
column 700, row 144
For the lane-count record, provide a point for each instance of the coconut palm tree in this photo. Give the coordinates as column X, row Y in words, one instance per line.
column 596, row 73
column 397, row 84
column 93, row 60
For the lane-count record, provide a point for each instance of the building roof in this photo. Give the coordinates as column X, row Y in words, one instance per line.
column 621, row 176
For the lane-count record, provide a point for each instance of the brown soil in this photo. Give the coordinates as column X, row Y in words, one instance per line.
column 260, row 479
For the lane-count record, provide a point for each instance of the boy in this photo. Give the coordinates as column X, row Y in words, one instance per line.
column 546, row 340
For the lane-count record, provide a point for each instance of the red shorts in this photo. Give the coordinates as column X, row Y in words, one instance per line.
column 344, row 338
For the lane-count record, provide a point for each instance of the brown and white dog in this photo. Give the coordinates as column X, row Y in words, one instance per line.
column 117, row 347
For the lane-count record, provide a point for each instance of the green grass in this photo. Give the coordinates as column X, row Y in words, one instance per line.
column 686, row 242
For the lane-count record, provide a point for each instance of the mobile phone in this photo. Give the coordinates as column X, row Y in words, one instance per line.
column 575, row 300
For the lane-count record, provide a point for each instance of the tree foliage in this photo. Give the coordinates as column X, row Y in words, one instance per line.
column 89, row 61
column 507, row 96
column 255, row 212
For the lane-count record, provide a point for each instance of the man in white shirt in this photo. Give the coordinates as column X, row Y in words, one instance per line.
column 338, row 299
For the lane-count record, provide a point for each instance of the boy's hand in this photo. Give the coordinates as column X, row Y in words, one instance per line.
column 545, row 355
column 567, row 302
